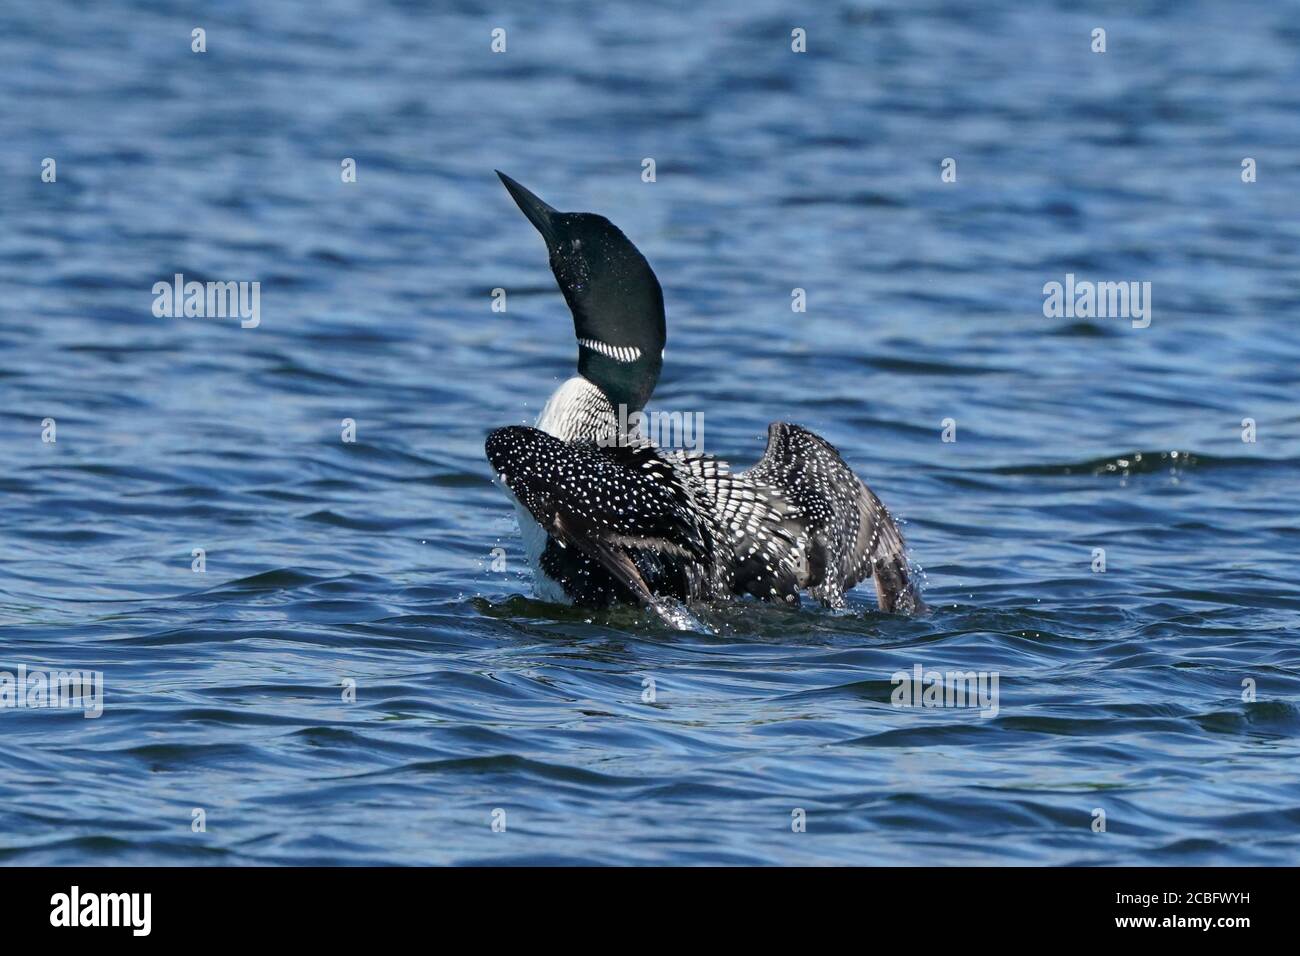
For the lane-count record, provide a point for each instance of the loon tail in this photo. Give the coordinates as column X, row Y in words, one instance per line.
column 846, row 532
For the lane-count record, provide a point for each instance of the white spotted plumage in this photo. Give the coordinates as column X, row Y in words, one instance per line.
column 687, row 525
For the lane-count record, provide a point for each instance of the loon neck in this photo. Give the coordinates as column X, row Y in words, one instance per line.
column 580, row 411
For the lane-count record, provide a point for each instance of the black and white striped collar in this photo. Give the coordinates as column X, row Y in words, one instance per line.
column 619, row 353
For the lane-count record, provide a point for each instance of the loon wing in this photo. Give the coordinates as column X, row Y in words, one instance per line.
column 624, row 507
column 846, row 533
column 612, row 559
column 754, row 520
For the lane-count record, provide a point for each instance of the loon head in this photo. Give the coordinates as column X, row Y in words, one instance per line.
column 617, row 305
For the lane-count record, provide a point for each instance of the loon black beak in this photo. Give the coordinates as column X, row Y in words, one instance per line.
column 538, row 212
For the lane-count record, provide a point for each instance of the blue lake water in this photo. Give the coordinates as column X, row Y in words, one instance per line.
column 372, row 562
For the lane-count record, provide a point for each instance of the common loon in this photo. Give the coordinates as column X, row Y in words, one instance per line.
column 607, row 517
